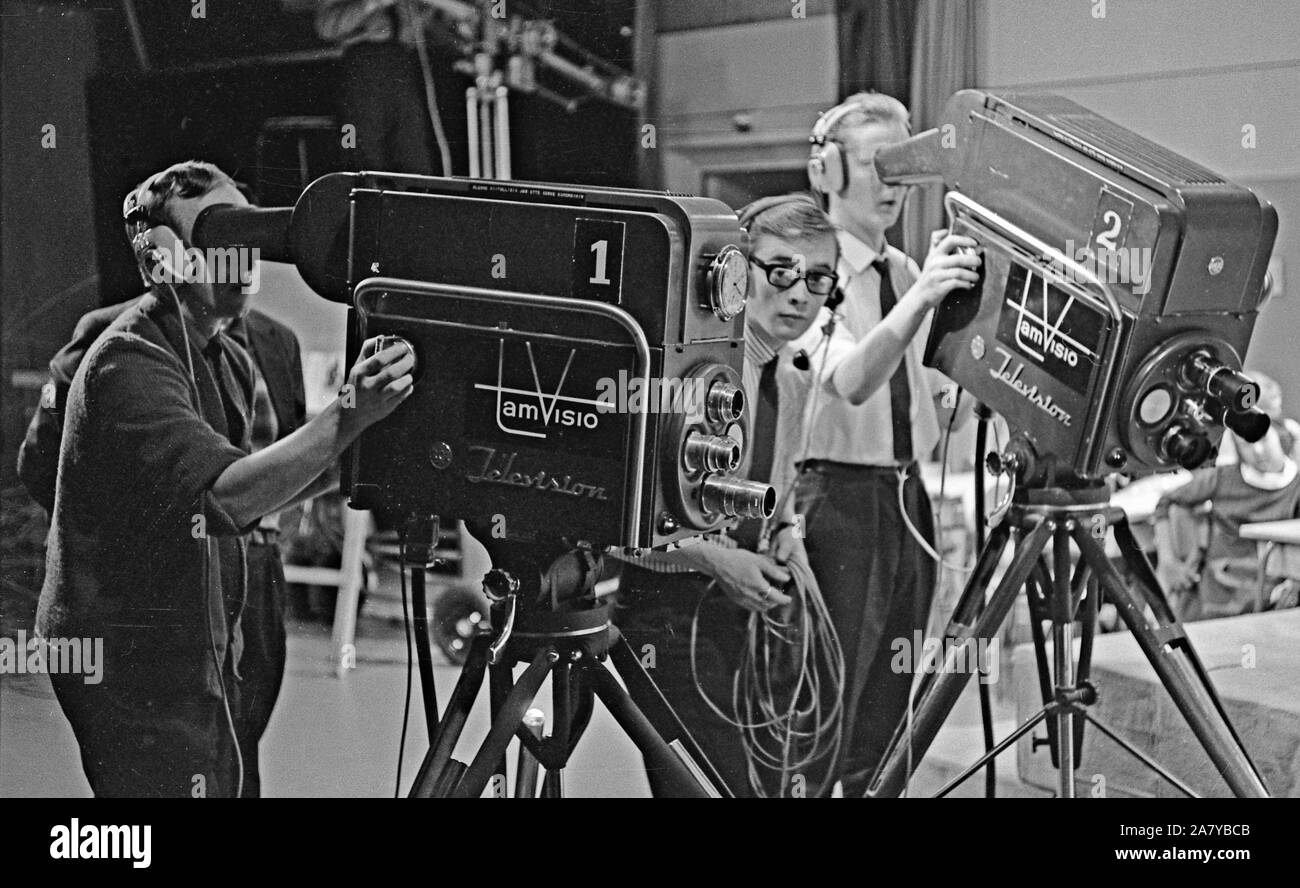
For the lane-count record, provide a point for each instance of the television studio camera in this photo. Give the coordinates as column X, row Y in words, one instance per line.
column 1119, row 288
column 522, row 304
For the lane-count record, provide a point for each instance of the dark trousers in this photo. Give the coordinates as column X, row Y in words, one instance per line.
column 654, row 615
column 261, row 667
column 142, row 743
column 879, row 585
column 383, row 97
column 149, row 741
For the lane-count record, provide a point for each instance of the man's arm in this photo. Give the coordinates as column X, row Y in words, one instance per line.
column 872, row 361
column 279, row 475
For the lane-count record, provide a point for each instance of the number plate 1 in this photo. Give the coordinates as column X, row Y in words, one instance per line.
column 598, row 259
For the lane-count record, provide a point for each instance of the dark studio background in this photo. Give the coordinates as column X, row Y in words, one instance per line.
column 212, row 85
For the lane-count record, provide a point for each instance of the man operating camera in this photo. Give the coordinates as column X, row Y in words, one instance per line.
column 156, row 491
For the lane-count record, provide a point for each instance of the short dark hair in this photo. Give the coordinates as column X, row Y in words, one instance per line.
column 190, row 178
column 794, row 216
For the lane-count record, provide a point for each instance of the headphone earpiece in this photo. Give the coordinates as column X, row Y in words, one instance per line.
column 828, row 172
column 828, row 168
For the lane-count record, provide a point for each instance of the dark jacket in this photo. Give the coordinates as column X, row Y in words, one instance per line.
column 271, row 344
column 135, row 524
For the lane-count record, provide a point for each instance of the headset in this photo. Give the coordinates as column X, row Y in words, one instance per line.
column 802, row 360
column 828, row 168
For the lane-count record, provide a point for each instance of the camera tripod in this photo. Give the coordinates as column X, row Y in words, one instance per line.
column 571, row 645
column 1039, row 518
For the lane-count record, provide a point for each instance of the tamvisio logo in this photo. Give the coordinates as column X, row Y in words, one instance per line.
column 532, row 413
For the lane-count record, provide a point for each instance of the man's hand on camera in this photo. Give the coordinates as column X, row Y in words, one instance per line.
column 750, row 580
column 951, row 264
column 377, row 383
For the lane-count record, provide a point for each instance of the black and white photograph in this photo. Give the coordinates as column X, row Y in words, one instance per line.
column 862, row 399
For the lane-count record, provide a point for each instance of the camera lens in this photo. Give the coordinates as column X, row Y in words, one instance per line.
column 1187, row 448
column 713, row 453
column 738, row 498
column 1230, row 387
column 725, row 402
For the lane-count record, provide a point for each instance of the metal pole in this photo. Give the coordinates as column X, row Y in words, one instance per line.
column 471, row 112
column 502, row 134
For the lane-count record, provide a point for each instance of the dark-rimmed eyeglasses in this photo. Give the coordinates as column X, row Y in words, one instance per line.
column 783, row 277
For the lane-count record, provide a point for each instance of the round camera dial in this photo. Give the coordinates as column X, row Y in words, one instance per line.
column 728, row 282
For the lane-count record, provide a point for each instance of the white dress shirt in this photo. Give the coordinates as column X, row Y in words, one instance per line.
column 863, row 435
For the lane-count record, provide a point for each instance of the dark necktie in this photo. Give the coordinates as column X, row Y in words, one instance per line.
column 760, row 468
column 763, row 446
column 900, row 394
column 233, row 403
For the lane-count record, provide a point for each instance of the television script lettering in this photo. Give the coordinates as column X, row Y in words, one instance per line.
column 1041, row 400
column 498, row 468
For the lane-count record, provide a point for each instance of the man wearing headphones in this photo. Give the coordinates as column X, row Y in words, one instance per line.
column 155, row 494
column 876, row 417
column 279, row 407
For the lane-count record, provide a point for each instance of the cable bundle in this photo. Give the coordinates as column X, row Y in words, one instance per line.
column 778, row 688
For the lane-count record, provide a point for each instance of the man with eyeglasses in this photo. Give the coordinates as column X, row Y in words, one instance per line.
column 697, row 636
column 874, row 416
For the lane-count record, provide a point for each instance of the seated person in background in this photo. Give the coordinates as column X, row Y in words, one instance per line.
column 1263, row 486
column 1270, row 402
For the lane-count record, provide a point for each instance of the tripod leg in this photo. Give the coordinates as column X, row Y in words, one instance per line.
column 971, row 604
column 445, row 735
column 1038, row 590
column 553, row 785
column 1171, row 655
column 501, row 680
column 682, row 782
column 423, row 648
column 526, row 769
column 941, row 694
column 659, row 712
column 492, row 753
column 1061, row 605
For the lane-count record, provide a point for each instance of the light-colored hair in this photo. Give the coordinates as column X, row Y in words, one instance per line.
column 794, row 216
column 867, row 108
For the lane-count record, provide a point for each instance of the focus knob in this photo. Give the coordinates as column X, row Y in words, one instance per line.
column 498, row 585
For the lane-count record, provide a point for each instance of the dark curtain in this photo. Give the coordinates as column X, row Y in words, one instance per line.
column 943, row 62
column 875, row 44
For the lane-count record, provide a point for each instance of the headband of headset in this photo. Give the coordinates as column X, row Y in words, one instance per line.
column 753, row 210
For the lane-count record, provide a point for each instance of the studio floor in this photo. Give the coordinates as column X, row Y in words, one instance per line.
column 332, row 737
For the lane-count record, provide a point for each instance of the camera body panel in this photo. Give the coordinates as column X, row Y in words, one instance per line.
column 557, row 378
column 1100, row 249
